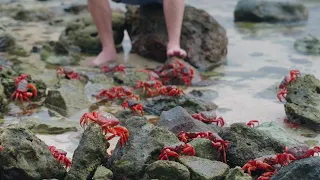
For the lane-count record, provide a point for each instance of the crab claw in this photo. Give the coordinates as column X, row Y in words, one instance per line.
column 252, row 123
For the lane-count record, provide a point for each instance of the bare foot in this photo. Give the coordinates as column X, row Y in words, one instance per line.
column 176, row 51
column 103, row 58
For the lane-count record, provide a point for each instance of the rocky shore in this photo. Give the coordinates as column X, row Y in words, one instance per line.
column 179, row 136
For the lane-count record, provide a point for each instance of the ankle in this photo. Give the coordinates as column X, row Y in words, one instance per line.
column 173, row 44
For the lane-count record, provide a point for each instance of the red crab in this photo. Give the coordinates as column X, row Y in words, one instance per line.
column 106, row 93
column 133, row 105
column 282, row 93
column 175, row 150
column 283, row 159
column 108, row 123
column 216, row 141
column 22, row 87
column 20, row 78
column 67, row 72
column 285, row 82
column 148, row 85
column 1, row 148
column 60, row 155
column 254, row 165
column 252, row 123
column 209, row 117
column 302, row 151
column 170, row 91
column 266, row 176
column 114, row 68
column 124, row 91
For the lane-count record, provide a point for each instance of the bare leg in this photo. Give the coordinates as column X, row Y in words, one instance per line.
column 102, row 16
column 173, row 12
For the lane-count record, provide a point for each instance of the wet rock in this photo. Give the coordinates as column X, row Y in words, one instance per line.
column 130, row 78
column 204, row 94
column 90, row 153
column 58, row 54
column 248, row 143
column 204, row 149
column 18, row 51
column 270, row 11
column 25, row 156
column 204, row 169
column 168, row 170
column 237, row 174
column 33, row 15
column 97, row 83
column 308, row 45
column 202, row 36
column 83, row 33
column 303, row 105
column 163, row 103
column 178, row 119
column 68, row 99
column 301, row 169
column 130, row 161
column 278, row 133
column 76, row 8
column 102, row 173
column 52, row 127
column 7, row 42
column 3, row 102
column 125, row 114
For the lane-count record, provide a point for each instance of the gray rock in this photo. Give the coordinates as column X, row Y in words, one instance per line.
column 90, row 153
column 237, row 174
column 269, row 11
column 202, row 36
column 49, row 127
column 191, row 104
column 7, row 42
column 248, row 143
column 3, row 102
column 68, row 99
column 82, row 33
column 278, row 133
column 33, row 15
column 204, row 149
column 76, row 8
column 24, row 156
column 303, row 105
column 131, row 77
column 204, row 169
column 168, row 170
column 204, row 94
column 178, row 119
column 299, row 170
column 102, row 173
column 308, row 45
column 144, row 144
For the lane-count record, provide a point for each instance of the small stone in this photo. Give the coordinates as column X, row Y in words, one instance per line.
column 204, row 149
column 204, row 169
column 102, row 173
column 168, row 170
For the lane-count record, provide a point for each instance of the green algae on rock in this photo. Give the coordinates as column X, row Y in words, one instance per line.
column 237, row 174
column 167, row 170
column 25, row 156
column 3, row 102
column 308, row 45
column 303, row 101
column 91, row 151
column 82, row 33
column 204, row 149
column 102, row 173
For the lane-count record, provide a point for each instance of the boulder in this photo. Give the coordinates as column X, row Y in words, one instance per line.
column 303, row 105
column 24, row 156
column 68, row 99
column 144, row 146
column 191, row 104
column 168, row 170
column 308, row 45
column 301, row 169
column 178, row 119
column 90, row 153
column 269, row 11
column 248, row 143
column 83, row 33
column 278, row 133
column 202, row 36
column 204, row 169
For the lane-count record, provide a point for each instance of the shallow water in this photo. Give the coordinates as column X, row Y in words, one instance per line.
column 259, row 56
